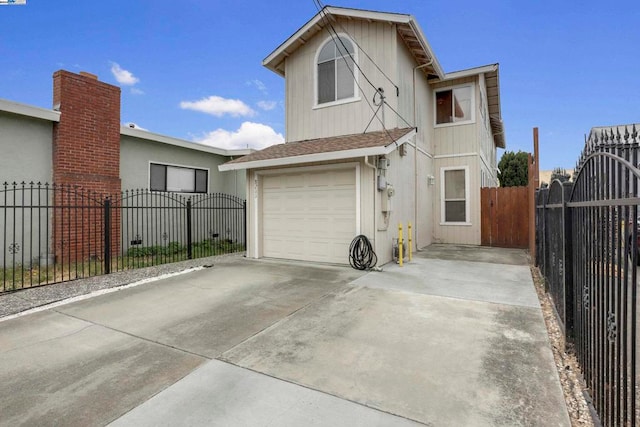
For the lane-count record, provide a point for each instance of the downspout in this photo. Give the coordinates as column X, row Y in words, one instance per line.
column 415, row 152
column 375, row 214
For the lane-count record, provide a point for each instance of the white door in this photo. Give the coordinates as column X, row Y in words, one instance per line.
column 309, row 215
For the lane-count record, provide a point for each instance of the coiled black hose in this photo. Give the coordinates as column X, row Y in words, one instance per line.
column 361, row 254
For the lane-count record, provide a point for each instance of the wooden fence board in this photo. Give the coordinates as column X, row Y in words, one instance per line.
column 505, row 217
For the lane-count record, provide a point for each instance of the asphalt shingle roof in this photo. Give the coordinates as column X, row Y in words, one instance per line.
column 326, row 145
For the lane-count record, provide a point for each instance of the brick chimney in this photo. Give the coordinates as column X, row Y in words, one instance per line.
column 86, row 155
column 86, row 141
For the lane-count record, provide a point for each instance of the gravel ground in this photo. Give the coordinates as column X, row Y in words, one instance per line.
column 16, row 302
column 566, row 362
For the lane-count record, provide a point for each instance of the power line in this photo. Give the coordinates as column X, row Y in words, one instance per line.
column 334, row 35
column 326, row 18
column 375, row 64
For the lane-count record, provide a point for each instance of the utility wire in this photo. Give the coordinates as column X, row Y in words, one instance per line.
column 329, row 27
column 369, row 58
column 334, row 35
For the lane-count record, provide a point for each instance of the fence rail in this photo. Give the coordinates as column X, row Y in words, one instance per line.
column 587, row 250
column 54, row 233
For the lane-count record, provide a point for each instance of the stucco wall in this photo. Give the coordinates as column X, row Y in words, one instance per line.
column 136, row 154
column 25, row 143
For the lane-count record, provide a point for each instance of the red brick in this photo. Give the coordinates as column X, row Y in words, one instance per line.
column 86, row 154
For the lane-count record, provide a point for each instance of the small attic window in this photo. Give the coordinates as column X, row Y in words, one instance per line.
column 455, row 105
column 335, row 71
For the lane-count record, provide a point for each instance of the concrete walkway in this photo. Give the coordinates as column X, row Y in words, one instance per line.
column 445, row 340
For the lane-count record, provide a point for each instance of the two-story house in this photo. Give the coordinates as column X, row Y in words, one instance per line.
column 377, row 134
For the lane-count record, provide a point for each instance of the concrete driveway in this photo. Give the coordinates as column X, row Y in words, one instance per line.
column 446, row 340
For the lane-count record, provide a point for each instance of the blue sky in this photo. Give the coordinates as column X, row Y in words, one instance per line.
column 565, row 66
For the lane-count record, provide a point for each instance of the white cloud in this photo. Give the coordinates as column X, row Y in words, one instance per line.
column 218, row 106
column 258, row 84
column 123, row 76
column 267, row 105
column 251, row 135
column 136, row 91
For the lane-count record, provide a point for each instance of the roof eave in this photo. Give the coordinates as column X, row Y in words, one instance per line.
column 471, row 72
column 275, row 60
column 435, row 64
column 319, row 157
column 29, row 110
column 163, row 139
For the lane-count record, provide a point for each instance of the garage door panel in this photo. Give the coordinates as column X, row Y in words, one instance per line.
column 309, row 216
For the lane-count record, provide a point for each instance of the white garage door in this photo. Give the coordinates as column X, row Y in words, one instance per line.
column 309, row 216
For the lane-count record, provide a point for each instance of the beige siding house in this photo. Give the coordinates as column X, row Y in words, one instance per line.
column 377, row 135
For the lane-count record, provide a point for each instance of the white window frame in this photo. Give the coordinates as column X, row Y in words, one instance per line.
column 467, row 193
column 153, row 162
column 452, row 88
column 356, row 92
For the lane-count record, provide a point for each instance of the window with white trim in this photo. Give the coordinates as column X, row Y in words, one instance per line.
column 177, row 178
column 455, row 105
column 455, row 195
column 335, row 71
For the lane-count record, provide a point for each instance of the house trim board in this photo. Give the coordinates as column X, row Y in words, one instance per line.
column 316, row 24
column 29, row 110
column 150, row 136
column 319, row 157
column 449, row 156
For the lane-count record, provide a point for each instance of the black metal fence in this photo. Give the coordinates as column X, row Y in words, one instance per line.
column 54, row 233
column 587, row 250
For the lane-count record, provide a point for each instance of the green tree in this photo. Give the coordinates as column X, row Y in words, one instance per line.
column 513, row 169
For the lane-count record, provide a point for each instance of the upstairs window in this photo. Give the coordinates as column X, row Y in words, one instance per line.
column 178, row 179
column 336, row 71
column 454, row 105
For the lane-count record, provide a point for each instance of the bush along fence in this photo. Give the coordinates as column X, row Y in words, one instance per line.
column 54, row 233
column 587, row 250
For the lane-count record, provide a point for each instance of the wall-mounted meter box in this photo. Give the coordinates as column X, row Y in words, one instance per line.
column 382, row 183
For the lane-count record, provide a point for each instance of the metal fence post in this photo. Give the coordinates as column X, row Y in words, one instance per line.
column 189, row 241
column 244, row 222
column 567, row 264
column 107, row 235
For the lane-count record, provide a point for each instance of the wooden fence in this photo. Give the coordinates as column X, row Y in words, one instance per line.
column 505, row 217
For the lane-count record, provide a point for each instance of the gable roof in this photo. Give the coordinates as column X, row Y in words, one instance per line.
column 324, row 149
column 492, row 81
column 408, row 29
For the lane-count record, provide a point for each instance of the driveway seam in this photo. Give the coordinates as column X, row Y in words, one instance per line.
column 324, row 392
column 57, row 337
column 377, row 288
column 274, row 324
column 134, row 335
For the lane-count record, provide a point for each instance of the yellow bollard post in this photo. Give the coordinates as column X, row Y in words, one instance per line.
column 410, row 241
column 400, row 254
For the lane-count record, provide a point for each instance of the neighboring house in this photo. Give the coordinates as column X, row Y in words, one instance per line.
column 346, row 171
column 82, row 142
column 545, row 176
